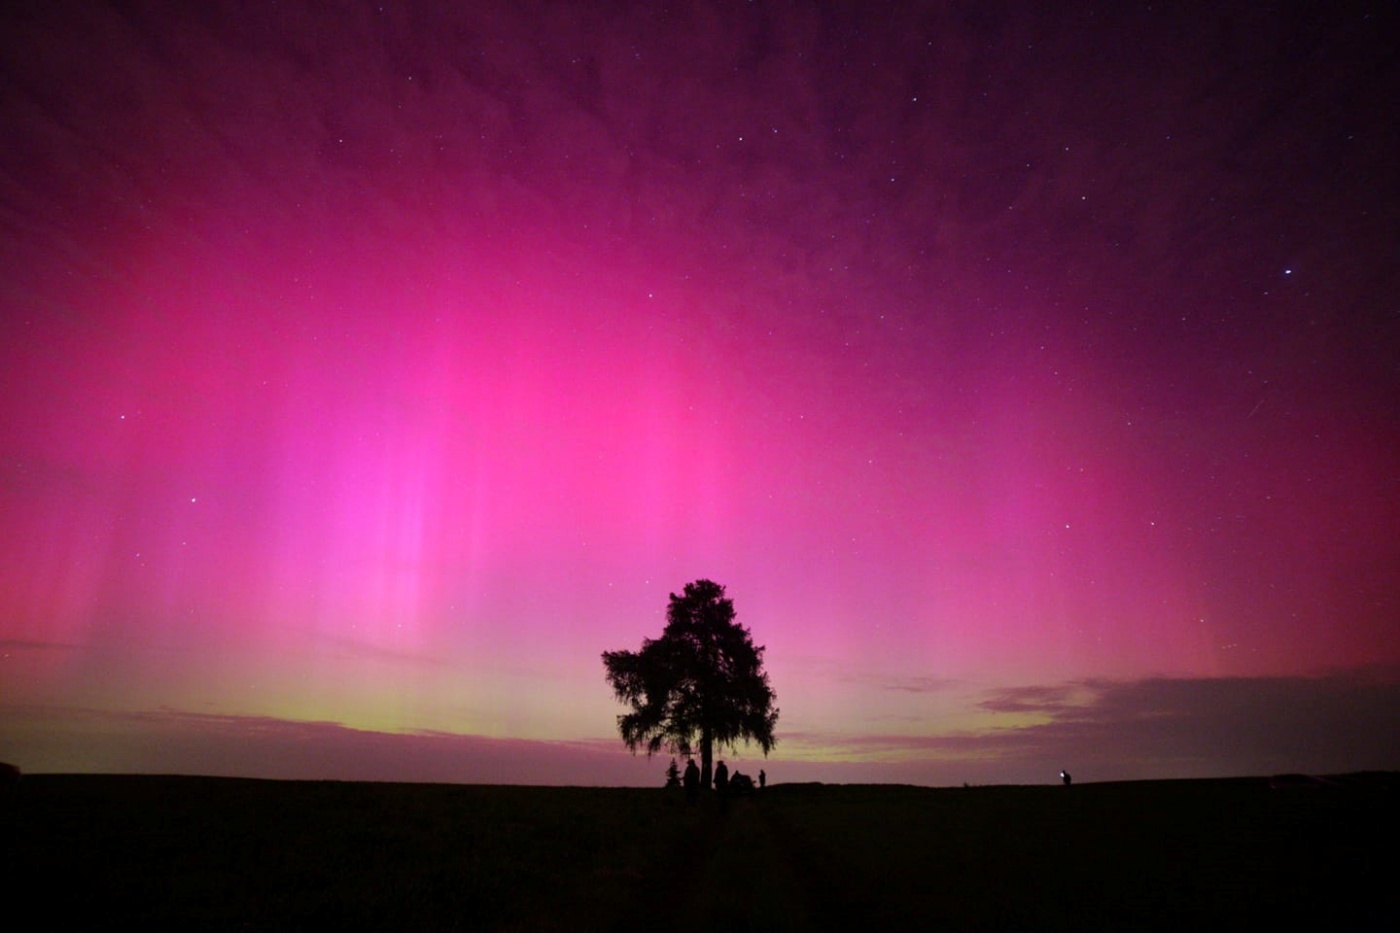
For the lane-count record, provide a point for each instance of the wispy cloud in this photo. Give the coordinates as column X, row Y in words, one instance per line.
column 1100, row 730
column 1050, row 700
column 52, row 739
column 359, row 647
column 1158, row 727
column 20, row 644
column 898, row 684
column 916, row 684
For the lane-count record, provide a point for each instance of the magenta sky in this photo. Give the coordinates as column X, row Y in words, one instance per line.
column 1029, row 379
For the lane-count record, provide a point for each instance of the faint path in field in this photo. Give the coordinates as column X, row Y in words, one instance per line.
column 671, row 889
column 838, row 894
column 751, row 870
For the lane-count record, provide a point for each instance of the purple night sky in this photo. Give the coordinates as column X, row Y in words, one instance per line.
column 1029, row 374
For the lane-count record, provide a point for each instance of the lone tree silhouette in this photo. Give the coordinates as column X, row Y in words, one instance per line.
column 701, row 682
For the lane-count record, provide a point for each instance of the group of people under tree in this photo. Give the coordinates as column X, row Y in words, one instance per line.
column 699, row 687
column 725, row 784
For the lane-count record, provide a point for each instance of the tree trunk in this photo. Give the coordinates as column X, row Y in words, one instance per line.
column 706, row 757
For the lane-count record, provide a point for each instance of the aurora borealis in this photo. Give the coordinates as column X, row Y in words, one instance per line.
column 1028, row 377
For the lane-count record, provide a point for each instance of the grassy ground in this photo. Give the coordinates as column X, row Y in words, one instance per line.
column 209, row 853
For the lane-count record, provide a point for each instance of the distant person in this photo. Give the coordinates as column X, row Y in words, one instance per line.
column 692, row 779
column 762, row 779
column 722, row 778
column 1064, row 776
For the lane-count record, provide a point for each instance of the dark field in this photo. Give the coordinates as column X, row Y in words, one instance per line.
column 171, row 852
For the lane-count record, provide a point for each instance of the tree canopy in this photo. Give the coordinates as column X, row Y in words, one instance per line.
column 699, row 685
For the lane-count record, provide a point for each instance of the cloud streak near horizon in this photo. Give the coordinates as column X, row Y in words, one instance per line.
column 1113, row 731
column 383, row 366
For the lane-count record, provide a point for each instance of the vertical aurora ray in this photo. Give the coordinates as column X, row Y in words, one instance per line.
column 383, row 371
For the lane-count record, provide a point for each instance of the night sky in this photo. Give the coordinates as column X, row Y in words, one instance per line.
column 1028, row 373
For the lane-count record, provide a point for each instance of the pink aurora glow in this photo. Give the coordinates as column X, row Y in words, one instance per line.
column 384, row 369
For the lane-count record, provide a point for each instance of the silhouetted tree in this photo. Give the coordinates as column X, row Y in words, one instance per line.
column 700, row 684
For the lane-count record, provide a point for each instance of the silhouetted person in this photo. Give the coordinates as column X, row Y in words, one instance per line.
column 762, row 779
column 1064, row 776
column 692, row 779
column 722, row 786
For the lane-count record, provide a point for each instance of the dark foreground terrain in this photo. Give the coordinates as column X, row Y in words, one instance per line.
column 210, row 853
